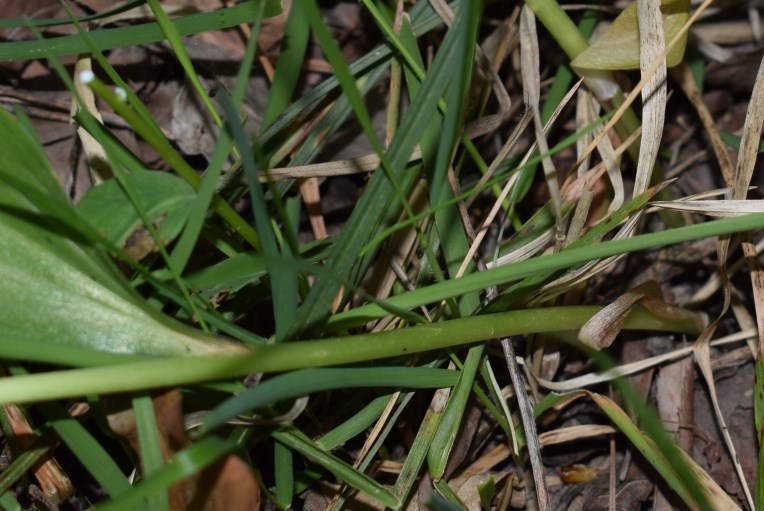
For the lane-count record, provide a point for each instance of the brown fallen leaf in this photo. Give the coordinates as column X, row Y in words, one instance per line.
column 226, row 485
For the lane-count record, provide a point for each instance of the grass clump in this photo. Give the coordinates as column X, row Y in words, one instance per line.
column 194, row 315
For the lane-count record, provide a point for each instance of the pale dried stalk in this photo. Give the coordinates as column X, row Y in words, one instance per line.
column 529, row 64
column 590, row 379
column 743, row 172
column 651, row 45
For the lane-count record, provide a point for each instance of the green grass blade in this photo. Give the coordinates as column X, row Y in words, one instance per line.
column 500, row 176
column 339, row 468
column 759, row 490
column 437, row 503
column 245, row 70
column 110, row 38
column 197, row 212
column 21, row 464
column 416, row 456
column 565, row 259
column 656, row 455
column 172, row 35
column 151, row 450
column 333, row 121
column 333, row 54
column 382, row 436
column 50, row 22
column 355, row 425
column 349, row 87
column 283, row 283
column 284, row 474
column 453, row 238
column 675, row 466
column 9, row 503
column 293, row 46
column 307, row 381
column 131, row 98
column 520, row 290
column 424, row 19
column 89, row 452
column 445, row 436
column 758, row 414
column 376, row 202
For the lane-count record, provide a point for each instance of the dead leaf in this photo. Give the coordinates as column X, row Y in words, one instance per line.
column 228, row 485
column 601, row 330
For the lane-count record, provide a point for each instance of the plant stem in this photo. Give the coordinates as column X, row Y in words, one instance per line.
column 167, row 372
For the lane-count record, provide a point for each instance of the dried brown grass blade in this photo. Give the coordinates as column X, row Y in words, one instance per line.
column 743, row 172
column 590, row 379
column 715, row 208
column 55, row 484
column 98, row 164
column 607, row 152
column 537, row 244
column 574, row 433
column 529, row 64
column 651, row 46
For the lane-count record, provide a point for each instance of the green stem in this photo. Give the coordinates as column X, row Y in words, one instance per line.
column 166, row 372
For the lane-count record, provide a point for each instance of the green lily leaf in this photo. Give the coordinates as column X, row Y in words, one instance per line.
column 166, row 198
column 618, row 47
column 67, row 302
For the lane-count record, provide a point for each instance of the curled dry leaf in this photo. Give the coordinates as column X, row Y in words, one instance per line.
column 601, row 330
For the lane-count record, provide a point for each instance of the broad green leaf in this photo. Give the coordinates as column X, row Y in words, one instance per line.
column 618, row 47
column 70, row 303
column 165, row 197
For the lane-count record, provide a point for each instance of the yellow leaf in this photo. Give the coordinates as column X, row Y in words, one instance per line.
column 618, row 47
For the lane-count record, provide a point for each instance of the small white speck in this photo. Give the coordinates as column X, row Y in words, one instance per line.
column 121, row 94
column 86, row 76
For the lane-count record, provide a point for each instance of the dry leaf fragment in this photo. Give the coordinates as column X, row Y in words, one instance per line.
column 571, row 474
column 715, row 208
